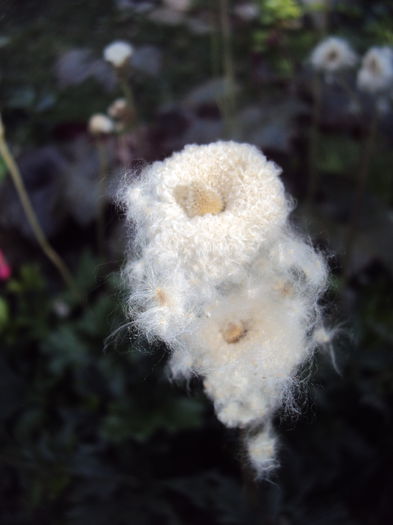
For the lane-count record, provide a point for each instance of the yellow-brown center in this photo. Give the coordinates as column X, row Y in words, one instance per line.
column 332, row 55
column 374, row 66
column 233, row 332
column 197, row 200
column 161, row 296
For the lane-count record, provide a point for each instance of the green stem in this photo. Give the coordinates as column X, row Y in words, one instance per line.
column 127, row 91
column 30, row 213
column 229, row 103
column 363, row 173
column 313, row 142
column 102, row 181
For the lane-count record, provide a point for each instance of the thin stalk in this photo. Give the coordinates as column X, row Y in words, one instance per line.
column 127, row 90
column 214, row 45
column 328, row 14
column 228, row 68
column 102, row 181
column 313, row 142
column 363, row 173
column 52, row 255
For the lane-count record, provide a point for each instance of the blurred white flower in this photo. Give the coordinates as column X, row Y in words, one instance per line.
column 376, row 72
column 117, row 108
column 100, row 124
column 332, row 55
column 247, row 11
column 118, row 53
column 178, row 5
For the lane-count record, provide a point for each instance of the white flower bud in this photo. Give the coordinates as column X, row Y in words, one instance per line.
column 118, row 53
column 100, row 125
column 376, row 72
column 332, row 55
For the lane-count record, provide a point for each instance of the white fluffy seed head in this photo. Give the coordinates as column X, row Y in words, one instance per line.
column 118, row 53
column 332, row 55
column 376, row 72
column 209, row 208
column 219, row 276
column 248, row 346
column 100, row 125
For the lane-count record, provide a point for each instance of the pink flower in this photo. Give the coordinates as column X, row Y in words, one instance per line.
column 5, row 268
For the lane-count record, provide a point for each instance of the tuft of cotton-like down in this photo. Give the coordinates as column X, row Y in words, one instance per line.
column 332, row 55
column 262, row 450
column 118, row 53
column 216, row 272
column 376, row 72
column 208, row 208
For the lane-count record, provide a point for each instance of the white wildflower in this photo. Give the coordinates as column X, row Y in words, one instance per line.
column 332, row 55
column 376, row 72
column 118, row 53
column 100, row 124
column 247, row 12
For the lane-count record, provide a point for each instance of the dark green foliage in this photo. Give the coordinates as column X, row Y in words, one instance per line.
column 92, row 431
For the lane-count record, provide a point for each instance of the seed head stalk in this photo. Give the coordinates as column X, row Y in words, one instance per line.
column 228, row 103
column 102, row 184
column 49, row 251
column 313, row 141
column 363, row 173
column 127, row 91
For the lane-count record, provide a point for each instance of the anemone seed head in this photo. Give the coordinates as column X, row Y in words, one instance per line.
column 118, row 53
column 376, row 72
column 217, row 274
column 208, row 208
column 332, row 55
column 100, row 124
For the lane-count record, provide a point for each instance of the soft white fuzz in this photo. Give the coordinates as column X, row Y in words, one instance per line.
column 332, row 55
column 208, row 208
column 118, row 53
column 216, row 272
column 118, row 108
column 262, row 451
column 100, row 124
column 376, row 72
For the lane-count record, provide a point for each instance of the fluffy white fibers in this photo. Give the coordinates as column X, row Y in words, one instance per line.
column 332, row 55
column 216, row 272
column 208, row 208
column 376, row 72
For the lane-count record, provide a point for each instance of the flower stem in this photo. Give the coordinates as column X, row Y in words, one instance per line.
column 52, row 255
column 102, row 180
column 313, row 142
column 127, row 91
column 228, row 103
column 368, row 149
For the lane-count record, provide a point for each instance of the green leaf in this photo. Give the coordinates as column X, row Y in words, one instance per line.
column 4, row 313
column 3, row 170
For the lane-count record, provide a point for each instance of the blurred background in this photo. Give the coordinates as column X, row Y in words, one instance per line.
column 91, row 429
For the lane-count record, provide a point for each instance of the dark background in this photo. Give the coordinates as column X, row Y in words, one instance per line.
column 91, row 429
